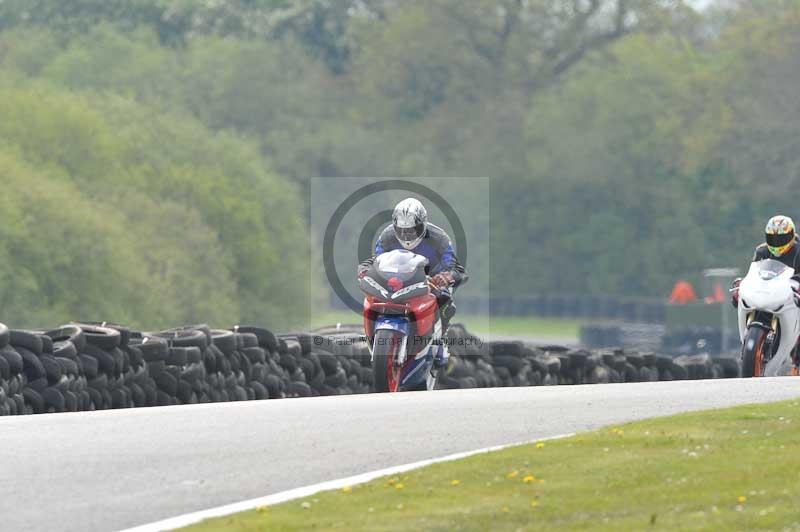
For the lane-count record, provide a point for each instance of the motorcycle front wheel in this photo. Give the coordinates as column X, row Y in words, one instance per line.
column 386, row 375
column 753, row 359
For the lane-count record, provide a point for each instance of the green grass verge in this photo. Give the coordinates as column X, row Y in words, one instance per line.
column 737, row 468
column 532, row 327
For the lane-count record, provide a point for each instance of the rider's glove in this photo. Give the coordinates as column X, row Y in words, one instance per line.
column 735, row 292
column 440, row 281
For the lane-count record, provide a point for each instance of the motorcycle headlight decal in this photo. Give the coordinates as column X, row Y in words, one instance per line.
column 407, row 289
column 376, row 285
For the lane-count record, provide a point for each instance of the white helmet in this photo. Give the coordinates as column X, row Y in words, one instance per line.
column 410, row 221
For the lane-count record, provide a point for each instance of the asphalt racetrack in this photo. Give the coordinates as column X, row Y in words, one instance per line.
column 115, row 469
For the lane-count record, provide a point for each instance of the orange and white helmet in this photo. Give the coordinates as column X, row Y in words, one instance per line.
column 780, row 235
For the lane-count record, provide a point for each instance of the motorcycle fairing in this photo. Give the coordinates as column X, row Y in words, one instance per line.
column 766, row 289
column 394, row 323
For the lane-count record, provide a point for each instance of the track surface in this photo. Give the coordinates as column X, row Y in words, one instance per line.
column 115, row 469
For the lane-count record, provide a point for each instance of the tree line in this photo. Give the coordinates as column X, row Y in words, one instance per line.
column 155, row 154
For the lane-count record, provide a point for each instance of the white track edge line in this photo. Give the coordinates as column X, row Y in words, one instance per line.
column 305, row 491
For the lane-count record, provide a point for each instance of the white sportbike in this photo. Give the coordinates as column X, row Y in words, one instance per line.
column 769, row 319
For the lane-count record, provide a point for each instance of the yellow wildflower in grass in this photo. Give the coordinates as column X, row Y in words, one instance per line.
column 399, row 486
column 455, row 482
column 347, row 489
column 505, row 509
column 262, row 509
column 513, row 474
column 540, row 445
column 534, row 503
column 742, row 499
column 529, row 479
column 393, row 480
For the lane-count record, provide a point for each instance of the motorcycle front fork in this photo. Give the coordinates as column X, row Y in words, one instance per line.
column 400, row 359
column 769, row 345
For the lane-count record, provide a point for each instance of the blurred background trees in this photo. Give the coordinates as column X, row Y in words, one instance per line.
column 155, row 154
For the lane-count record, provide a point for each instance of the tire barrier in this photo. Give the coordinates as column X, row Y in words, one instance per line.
column 96, row 366
column 524, row 364
column 687, row 341
column 690, row 341
column 644, row 337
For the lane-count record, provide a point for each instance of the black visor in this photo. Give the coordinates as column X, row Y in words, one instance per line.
column 778, row 241
column 408, row 234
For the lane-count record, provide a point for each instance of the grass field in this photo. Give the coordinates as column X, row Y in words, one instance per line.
column 532, row 327
column 733, row 469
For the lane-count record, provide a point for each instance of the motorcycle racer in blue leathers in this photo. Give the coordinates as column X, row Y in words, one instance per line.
column 411, row 230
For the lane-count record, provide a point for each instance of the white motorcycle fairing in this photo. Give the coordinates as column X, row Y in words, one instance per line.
column 767, row 287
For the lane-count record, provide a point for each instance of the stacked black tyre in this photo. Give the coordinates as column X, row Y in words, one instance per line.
column 252, row 347
column 54, row 380
column 269, row 379
column 152, row 352
column 470, row 365
column 76, row 367
column 115, row 366
column 95, row 366
column 290, row 352
column 44, row 387
column 13, row 379
column 515, row 363
column 181, row 375
column 64, row 346
column 480, row 364
column 233, row 370
column 333, row 364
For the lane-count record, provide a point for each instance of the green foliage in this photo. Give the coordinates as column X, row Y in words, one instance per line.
column 62, row 255
column 630, row 143
column 320, row 26
column 634, row 217
column 195, row 227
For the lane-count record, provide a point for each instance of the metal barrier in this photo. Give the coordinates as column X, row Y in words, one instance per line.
column 568, row 306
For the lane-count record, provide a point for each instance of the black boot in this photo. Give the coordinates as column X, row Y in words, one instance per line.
column 447, row 312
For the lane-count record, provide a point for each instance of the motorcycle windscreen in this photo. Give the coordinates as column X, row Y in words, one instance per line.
column 401, row 264
column 769, row 269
